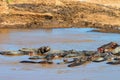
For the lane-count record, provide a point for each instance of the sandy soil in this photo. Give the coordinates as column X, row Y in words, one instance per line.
column 114, row 3
column 59, row 14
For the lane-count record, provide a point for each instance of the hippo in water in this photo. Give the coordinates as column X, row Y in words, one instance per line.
column 43, row 49
column 78, row 61
column 107, row 47
column 40, row 62
column 100, row 59
column 27, row 51
column 11, row 53
column 114, row 62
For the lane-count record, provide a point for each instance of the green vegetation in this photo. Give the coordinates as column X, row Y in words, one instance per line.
column 8, row 1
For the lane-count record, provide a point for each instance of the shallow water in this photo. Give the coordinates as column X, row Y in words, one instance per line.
column 73, row 38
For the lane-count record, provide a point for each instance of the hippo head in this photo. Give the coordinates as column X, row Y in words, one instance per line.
column 47, row 48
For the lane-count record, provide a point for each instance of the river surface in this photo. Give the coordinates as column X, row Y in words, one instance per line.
column 57, row 39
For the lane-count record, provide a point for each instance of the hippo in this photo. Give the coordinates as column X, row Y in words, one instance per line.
column 116, row 51
column 99, row 59
column 36, row 57
column 28, row 62
column 70, row 55
column 89, row 53
column 40, row 62
column 114, row 62
column 66, row 61
column 77, row 62
column 11, row 53
column 46, row 62
column 27, row 51
column 107, row 47
column 52, row 56
column 117, row 58
column 43, row 49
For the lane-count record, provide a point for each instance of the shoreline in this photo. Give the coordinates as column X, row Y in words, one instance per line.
column 107, row 28
column 67, row 14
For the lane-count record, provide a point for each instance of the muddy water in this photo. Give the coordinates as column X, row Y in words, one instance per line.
column 79, row 39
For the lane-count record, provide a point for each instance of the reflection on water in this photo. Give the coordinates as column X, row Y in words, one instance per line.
column 73, row 38
column 4, row 31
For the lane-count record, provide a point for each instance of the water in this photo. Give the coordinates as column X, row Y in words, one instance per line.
column 73, row 38
column 62, row 39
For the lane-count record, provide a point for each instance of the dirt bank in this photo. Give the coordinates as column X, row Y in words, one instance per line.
column 113, row 3
column 58, row 14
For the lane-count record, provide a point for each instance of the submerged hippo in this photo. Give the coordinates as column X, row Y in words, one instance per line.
column 114, row 62
column 89, row 53
column 27, row 51
column 78, row 62
column 107, row 47
column 116, row 51
column 11, row 53
column 40, row 62
column 100, row 59
column 43, row 49
column 36, row 57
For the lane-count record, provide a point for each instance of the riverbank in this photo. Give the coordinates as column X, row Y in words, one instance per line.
column 58, row 14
